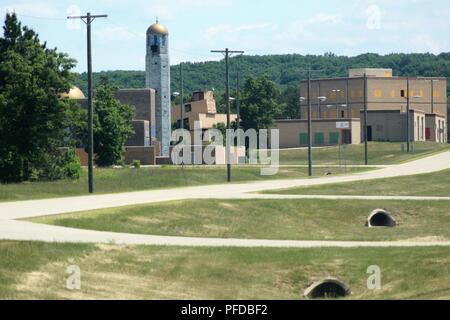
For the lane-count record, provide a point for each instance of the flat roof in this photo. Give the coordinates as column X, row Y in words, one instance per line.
column 377, row 78
column 319, row 120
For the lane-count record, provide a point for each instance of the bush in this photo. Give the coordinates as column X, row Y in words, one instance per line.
column 64, row 164
column 136, row 164
column 72, row 167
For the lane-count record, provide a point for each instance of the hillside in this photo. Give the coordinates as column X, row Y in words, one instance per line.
column 282, row 69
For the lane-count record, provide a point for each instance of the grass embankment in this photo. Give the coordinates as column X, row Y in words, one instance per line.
column 127, row 180
column 38, row 271
column 267, row 219
column 380, row 153
column 431, row 184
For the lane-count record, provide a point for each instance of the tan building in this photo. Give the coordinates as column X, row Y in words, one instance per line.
column 325, row 132
column 386, row 98
column 203, row 110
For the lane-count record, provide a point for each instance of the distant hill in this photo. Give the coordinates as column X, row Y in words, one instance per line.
column 282, row 69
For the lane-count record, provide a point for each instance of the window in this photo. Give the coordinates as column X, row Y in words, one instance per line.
column 188, row 108
column 342, row 114
column 334, row 137
column 304, row 139
column 319, row 138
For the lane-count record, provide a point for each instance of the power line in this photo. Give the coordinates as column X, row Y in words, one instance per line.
column 33, row 17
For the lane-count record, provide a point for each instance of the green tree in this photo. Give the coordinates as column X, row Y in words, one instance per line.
column 290, row 98
column 112, row 125
column 260, row 104
column 33, row 117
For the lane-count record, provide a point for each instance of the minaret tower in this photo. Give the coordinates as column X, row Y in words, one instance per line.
column 157, row 76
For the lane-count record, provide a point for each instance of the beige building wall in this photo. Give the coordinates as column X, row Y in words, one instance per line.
column 345, row 99
column 203, row 111
column 390, row 125
column 293, row 133
column 383, row 93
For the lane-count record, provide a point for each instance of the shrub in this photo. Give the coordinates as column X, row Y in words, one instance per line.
column 136, row 164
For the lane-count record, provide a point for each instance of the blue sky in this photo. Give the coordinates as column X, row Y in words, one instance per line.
column 346, row 27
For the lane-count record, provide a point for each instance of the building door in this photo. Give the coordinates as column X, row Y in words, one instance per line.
column 369, row 133
column 346, row 137
column 428, row 133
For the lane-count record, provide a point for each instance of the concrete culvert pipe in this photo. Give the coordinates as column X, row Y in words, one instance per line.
column 329, row 288
column 380, row 218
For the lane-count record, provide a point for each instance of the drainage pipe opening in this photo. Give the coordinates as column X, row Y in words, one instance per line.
column 329, row 288
column 380, row 218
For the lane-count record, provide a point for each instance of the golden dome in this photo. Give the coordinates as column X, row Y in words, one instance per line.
column 158, row 28
column 74, row 94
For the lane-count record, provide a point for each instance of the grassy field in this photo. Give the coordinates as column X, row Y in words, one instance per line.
column 125, row 180
column 432, row 184
column 38, row 271
column 267, row 219
column 380, row 153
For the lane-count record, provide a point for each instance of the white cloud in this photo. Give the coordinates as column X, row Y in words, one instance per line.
column 300, row 28
column 115, row 33
column 214, row 31
column 37, row 8
column 169, row 10
column 426, row 43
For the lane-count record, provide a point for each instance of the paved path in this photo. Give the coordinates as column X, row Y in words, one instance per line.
column 19, row 230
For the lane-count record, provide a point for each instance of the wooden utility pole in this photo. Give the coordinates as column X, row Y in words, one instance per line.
column 88, row 19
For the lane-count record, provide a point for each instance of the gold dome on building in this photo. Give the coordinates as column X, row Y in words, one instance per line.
column 74, row 94
column 157, row 28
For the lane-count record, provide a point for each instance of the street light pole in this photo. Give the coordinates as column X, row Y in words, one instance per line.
column 432, row 96
column 310, row 170
column 88, row 19
column 366, row 148
column 238, row 103
column 182, row 96
column 337, row 103
column 408, row 125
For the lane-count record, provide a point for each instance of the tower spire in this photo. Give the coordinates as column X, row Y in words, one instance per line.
column 157, row 20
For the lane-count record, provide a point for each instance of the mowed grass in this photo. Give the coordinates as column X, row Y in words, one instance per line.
column 38, row 271
column 126, row 180
column 267, row 219
column 431, row 184
column 380, row 153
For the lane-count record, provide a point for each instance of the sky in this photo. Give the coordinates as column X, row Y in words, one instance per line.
column 343, row 27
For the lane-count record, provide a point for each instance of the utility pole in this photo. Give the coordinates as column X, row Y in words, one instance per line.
column 310, row 170
column 181, row 96
column 366, row 151
column 432, row 96
column 408, row 125
column 238, row 102
column 88, row 19
column 227, row 53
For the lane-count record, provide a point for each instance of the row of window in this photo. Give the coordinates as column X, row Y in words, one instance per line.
column 378, row 93
column 319, row 138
